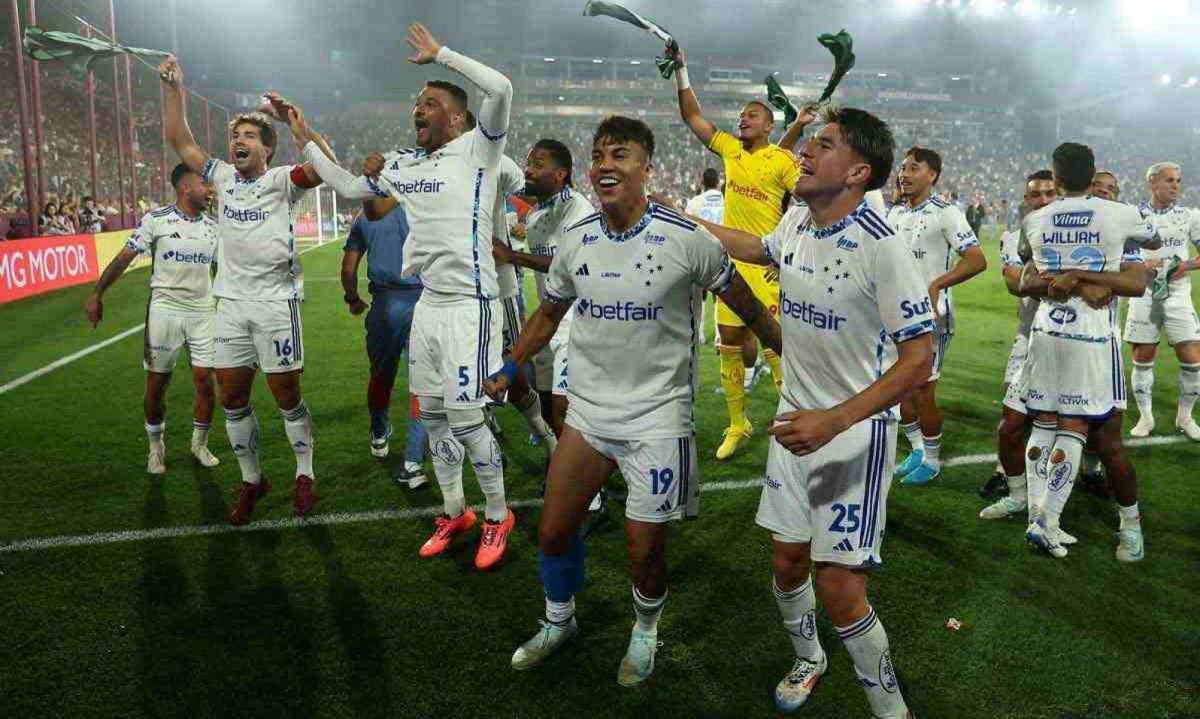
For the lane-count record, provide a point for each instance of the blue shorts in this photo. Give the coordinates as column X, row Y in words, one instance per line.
column 388, row 324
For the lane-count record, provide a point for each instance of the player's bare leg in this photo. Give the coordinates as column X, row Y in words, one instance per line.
column 297, row 422
column 922, row 406
column 155, row 410
column 241, row 425
column 797, row 602
column 647, row 545
column 733, row 377
column 1141, row 380
column 577, row 471
column 202, row 414
column 1189, row 388
column 1123, row 479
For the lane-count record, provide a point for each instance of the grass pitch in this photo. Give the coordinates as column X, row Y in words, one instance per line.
column 341, row 619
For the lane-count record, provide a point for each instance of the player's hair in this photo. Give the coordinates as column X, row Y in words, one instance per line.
column 1040, row 175
column 710, row 179
column 469, row 121
column 1074, row 165
column 1159, row 167
column 181, row 171
column 559, row 153
column 869, row 137
column 770, row 111
column 929, row 157
column 266, row 129
column 456, row 92
column 618, row 128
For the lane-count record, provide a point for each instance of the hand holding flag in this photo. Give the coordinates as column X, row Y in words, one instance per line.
column 667, row 64
column 47, row 45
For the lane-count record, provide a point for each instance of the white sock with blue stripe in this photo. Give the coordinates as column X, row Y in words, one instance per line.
column 1061, row 472
column 912, row 431
column 867, row 643
column 799, row 610
column 242, row 427
column 1142, row 380
column 471, row 431
column 447, row 455
column 154, row 432
column 1189, row 389
column 1037, row 453
column 297, row 422
column 648, row 611
column 933, row 451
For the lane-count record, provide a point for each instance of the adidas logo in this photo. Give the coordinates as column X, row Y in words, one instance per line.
column 844, row 546
column 176, row 236
column 562, row 385
column 787, row 259
column 582, row 271
column 463, row 398
column 664, row 507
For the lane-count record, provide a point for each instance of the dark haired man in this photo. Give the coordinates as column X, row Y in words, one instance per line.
column 758, row 176
column 1073, row 382
column 182, row 244
column 857, row 323
column 630, row 275
column 448, row 187
column 257, row 287
column 933, row 230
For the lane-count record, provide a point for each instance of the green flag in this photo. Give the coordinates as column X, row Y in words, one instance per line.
column 666, row 66
column 48, row 45
column 779, row 100
column 842, row 47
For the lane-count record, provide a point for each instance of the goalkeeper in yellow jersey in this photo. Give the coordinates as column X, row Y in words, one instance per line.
column 758, row 175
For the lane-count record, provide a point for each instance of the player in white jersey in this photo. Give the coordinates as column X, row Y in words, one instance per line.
column 935, row 231
column 710, row 205
column 548, row 168
column 182, row 244
column 629, row 275
column 1073, row 376
column 1167, row 307
column 857, row 327
column 257, row 286
column 448, row 188
column 510, row 179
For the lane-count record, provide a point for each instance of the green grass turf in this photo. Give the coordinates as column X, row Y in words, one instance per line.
column 346, row 621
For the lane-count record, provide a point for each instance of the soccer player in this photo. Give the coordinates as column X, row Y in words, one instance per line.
column 257, row 287
column 629, row 274
column 1039, row 192
column 1104, row 185
column 182, row 244
column 857, row 327
column 1167, row 309
column 934, row 230
column 548, row 168
column 710, row 203
column 388, row 324
column 758, row 175
column 447, row 187
column 1073, row 379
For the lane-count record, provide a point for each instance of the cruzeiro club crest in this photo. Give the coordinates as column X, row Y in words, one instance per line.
column 887, row 674
column 447, row 451
column 1060, row 476
column 808, row 625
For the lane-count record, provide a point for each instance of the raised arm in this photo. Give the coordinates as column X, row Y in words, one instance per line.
column 689, row 106
column 179, row 135
column 795, row 131
column 741, row 246
column 496, row 88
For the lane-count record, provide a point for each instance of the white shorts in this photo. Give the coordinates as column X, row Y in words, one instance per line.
column 453, row 347
column 259, row 333
column 1016, row 358
column 513, row 322
column 550, row 365
column 659, row 473
column 1074, row 377
column 835, row 499
column 1147, row 319
column 941, row 343
column 167, row 332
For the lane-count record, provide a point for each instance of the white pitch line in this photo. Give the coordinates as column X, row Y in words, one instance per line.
column 63, row 361
column 335, row 518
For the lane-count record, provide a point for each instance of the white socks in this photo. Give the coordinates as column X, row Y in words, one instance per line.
column 471, row 431
column 799, row 610
column 242, row 427
column 1017, row 488
column 1037, row 455
column 1142, row 381
column 1189, row 389
column 1131, row 516
column 560, row 612
column 913, row 433
column 648, row 611
column 297, row 422
column 1061, row 473
column 933, row 451
column 447, row 456
column 867, row 643
column 154, row 432
column 530, row 407
column 200, row 433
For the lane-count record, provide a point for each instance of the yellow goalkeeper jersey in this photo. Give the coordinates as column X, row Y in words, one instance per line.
column 755, row 183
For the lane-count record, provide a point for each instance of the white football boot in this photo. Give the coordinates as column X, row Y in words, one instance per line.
column 156, row 458
column 204, row 456
column 638, row 662
column 1144, row 426
column 798, row 685
column 1003, row 508
column 1130, row 547
column 1187, row 425
column 1044, row 538
column 548, row 639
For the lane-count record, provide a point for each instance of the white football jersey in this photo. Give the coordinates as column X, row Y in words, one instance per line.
column 848, row 293
column 632, row 351
column 544, row 227
column 934, row 231
column 509, row 179
column 257, row 246
column 1082, row 233
column 449, row 196
column 709, row 205
column 1178, row 227
column 182, row 252
column 1010, row 257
